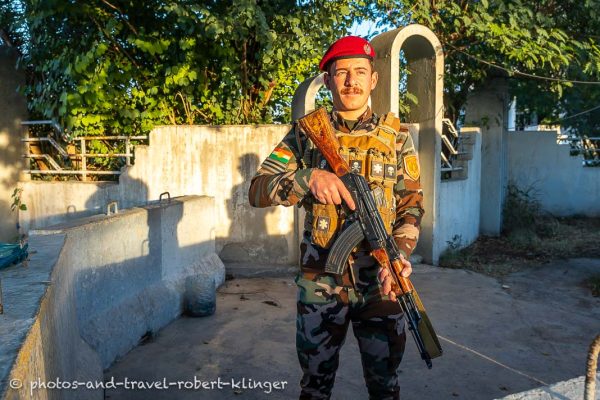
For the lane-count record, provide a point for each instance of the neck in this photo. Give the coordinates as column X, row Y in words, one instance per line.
column 353, row 115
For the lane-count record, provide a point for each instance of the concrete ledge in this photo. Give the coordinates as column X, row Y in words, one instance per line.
column 23, row 288
column 566, row 390
column 95, row 287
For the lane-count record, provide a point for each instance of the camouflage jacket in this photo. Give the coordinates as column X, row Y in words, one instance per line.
column 282, row 179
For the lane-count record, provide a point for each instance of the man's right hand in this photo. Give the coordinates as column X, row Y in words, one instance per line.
column 329, row 189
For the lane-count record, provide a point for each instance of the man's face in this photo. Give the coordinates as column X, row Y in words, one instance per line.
column 351, row 81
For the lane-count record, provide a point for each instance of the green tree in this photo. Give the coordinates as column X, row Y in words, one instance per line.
column 550, row 38
column 116, row 66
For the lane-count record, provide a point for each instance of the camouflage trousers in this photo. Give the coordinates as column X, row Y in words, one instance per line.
column 326, row 306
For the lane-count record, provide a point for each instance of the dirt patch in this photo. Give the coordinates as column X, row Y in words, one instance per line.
column 548, row 239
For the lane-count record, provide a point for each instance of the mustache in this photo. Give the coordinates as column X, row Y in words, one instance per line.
column 354, row 90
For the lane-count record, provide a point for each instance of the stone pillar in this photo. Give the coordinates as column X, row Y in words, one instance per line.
column 487, row 107
column 13, row 109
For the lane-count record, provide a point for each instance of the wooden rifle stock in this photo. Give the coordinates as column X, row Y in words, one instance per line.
column 318, row 128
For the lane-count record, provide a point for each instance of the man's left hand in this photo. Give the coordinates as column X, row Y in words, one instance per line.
column 385, row 277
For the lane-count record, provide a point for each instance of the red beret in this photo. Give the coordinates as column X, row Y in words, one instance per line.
column 347, row 47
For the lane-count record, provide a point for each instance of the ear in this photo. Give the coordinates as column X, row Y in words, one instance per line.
column 327, row 80
column 374, row 79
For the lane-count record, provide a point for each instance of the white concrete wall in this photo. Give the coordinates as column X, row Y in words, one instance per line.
column 559, row 181
column 460, row 199
column 216, row 161
column 96, row 286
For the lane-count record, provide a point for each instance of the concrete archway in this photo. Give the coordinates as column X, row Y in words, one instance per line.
column 425, row 58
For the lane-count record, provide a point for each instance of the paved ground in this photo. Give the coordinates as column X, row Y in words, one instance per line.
column 533, row 326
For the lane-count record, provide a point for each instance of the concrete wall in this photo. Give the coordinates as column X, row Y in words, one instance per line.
column 13, row 110
column 50, row 203
column 95, row 287
column 219, row 161
column 460, row 198
column 559, row 181
column 216, row 161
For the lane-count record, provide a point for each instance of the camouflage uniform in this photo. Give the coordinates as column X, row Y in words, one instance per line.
column 326, row 303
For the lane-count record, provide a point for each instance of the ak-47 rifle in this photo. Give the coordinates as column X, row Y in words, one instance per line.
column 365, row 223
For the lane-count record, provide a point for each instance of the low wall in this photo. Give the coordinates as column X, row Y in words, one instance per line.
column 216, row 161
column 459, row 218
column 95, row 287
column 50, row 203
column 559, row 181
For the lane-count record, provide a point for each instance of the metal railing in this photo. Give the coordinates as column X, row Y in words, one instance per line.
column 587, row 147
column 451, row 145
column 80, row 158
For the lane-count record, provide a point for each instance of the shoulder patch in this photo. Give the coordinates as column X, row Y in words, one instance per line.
column 411, row 166
column 281, row 154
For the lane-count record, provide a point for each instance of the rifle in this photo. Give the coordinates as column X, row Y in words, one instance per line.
column 365, row 223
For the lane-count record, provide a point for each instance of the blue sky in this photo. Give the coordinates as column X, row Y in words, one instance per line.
column 364, row 28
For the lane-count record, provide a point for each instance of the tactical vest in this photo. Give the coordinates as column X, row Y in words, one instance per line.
column 371, row 154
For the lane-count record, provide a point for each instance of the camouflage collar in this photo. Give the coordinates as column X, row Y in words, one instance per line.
column 364, row 122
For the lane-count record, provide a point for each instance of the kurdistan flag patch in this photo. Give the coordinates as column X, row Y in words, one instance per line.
column 282, row 155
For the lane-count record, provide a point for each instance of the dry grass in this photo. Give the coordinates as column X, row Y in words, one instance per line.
column 530, row 237
column 545, row 240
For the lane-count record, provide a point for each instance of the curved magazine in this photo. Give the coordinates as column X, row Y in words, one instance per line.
column 343, row 245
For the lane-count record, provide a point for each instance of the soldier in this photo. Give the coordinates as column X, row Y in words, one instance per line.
column 376, row 147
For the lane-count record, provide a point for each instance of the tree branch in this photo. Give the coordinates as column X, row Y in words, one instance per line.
column 122, row 15
column 118, row 47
